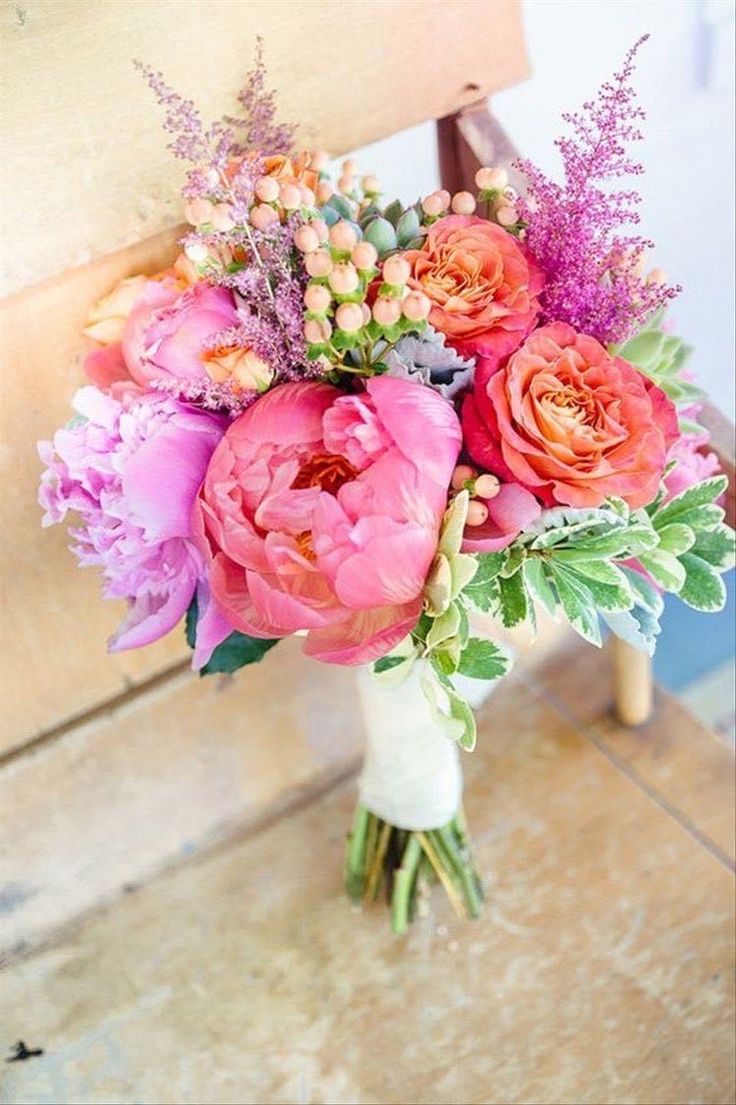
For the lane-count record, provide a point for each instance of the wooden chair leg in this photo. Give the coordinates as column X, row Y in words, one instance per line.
column 632, row 683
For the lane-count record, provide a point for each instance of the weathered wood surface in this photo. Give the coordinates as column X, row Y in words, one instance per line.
column 85, row 166
column 602, row 970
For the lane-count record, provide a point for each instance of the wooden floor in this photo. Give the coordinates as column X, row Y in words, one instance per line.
column 601, row 971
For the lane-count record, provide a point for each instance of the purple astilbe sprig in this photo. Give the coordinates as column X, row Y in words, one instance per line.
column 205, row 394
column 257, row 124
column 580, row 230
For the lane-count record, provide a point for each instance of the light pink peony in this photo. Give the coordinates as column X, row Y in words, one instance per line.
column 320, row 511
column 131, row 471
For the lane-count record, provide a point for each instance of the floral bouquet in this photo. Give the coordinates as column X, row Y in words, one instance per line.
column 364, row 422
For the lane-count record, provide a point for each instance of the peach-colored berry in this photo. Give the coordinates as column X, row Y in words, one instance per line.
column 349, row 317
column 308, row 196
column 346, row 184
column 386, row 312
column 370, row 184
column 366, row 313
column 477, row 513
column 197, row 252
column 349, row 167
column 324, row 190
column 318, row 263
column 462, row 475
column 344, row 279
column 364, row 256
column 198, row 212
column 316, row 331
column 657, row 276
column 319, row 160
column 444, row 196
column 317, row 297
column 433, row 204
column 396, row 270
column 222, row 217
column 306, row 239
column 267, row 189
column 321, row 229
column 487, row 486
column 343, row 236
column 463, row 203
column 507, row 216
column 263, row 216
column 491, row 180
column 290, row 197
column 416, row 307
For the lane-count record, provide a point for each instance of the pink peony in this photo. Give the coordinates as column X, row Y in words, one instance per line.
column 321, row 512
column 131, row 472
column 569, row 422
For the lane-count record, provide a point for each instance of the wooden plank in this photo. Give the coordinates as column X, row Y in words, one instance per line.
column 54, row 624
column 601, row 970
column 159, row 777
column 85, row 165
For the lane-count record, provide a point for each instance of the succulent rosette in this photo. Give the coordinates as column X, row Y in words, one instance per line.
column 366, row 423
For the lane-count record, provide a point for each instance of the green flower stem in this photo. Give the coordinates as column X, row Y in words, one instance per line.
column 401, row 862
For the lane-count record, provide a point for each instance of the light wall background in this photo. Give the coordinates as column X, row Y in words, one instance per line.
column 685, row 81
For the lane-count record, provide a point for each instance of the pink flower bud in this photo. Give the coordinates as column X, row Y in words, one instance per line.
column 222, row 217
column 364, row 256
column 317, row 332
column 198, row 212
column 491, row 180
column 267, row 189
column 507, row 216
column 462, row 475
column 317, row 297
column 416, row 307
column 386, row 312
column 306, row 239
column 487, row 486
column 324, row 191
column 396, row 270
column 263, row 216
column 342, row 236
column 290, row 197
column 319, row 263
column 370, row 184
column 463, row 203
column 433, row 205
column 477, row 513
column 344, row 279
column 349, row 317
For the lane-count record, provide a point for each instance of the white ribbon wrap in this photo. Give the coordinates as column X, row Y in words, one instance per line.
column 411, row 776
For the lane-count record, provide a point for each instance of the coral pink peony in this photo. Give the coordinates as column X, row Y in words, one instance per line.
column 482, row 284
column 131, row 471
column 569, row 422
column 320, row 511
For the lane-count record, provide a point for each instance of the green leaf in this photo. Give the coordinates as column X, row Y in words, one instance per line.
column 704, row 517
column 444, row 627
column 703, row 588
column 482, row 591
column 463, row 569
column 388, row 662
column 700, row 494
column 236, row 651
column 449, row 710
column 537, row 582
column 716, row 547
column 453, row 525
column 577, row 603
column 645, row 594
column 605, row 596
column 676, row 538
column 514, row 606
column 665, row 569
column 601, row 570
column 482, row 659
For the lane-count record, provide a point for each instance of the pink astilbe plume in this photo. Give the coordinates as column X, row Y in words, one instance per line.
column 578, row 230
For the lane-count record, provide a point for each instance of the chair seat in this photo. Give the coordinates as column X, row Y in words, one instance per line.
column 602, row 965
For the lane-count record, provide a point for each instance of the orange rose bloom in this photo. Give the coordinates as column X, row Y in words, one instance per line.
column 569, row 422
column 291, row 170
column 482, row 283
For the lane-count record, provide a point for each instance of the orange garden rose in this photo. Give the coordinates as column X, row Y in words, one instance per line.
column 291, row 170
column 569, row 422
column 483, row 285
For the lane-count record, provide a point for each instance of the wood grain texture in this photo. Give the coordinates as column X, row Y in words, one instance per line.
column 85, row 166
column 55, row 624
column 601, row 970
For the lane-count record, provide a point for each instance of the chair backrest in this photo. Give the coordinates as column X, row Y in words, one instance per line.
column 90, row 195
